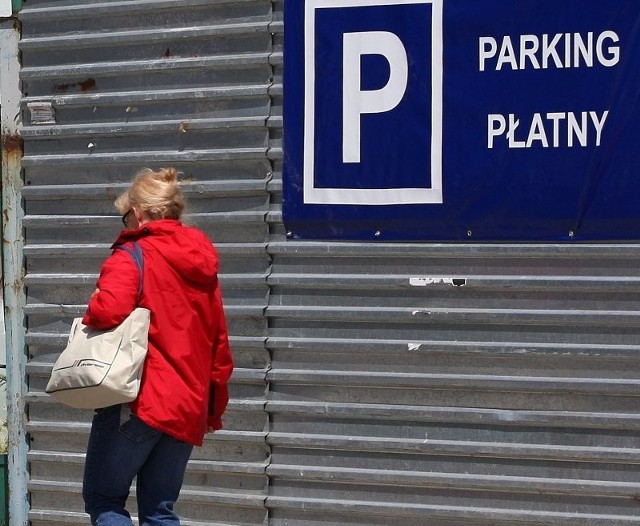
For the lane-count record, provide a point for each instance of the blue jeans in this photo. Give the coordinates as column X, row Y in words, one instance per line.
column 122, row 447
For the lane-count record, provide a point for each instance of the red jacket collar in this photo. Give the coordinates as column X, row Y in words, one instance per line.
column 156, row 227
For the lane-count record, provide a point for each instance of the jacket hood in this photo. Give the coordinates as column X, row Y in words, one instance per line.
column 187, row 250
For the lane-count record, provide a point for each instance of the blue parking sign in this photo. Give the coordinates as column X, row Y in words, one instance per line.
column 459, row 119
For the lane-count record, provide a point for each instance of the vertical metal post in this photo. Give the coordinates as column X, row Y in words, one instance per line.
column 13, row 269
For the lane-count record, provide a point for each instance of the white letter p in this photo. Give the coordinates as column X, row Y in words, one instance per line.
column 355, row 102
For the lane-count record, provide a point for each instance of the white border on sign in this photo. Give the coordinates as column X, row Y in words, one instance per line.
column 372, row 196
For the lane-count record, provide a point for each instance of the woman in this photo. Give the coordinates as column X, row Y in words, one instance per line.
column 184, row 381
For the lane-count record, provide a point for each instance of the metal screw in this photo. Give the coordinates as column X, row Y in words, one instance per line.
column 377, row 233
column 469, row 233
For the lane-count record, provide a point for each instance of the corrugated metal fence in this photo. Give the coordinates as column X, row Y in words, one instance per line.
column 131, row 84
column 504, row 393
column 376, row 384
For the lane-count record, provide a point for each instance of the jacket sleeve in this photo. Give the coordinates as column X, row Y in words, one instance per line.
column 117, row 294
column 222, row 367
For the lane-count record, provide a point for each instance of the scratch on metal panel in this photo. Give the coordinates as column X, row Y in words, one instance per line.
column 506, row 416
column 430, row 280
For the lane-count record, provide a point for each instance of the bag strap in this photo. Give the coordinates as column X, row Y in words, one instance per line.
column 138, row 258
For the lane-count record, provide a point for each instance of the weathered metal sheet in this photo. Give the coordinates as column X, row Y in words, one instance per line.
column 9, row 107
column 12, row 271
column 449, row 383
column 109, row 87
column 453, row 383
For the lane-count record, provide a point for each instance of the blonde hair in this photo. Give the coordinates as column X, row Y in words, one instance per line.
column 156, row 194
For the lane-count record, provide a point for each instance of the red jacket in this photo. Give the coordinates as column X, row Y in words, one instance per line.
column 188, row 365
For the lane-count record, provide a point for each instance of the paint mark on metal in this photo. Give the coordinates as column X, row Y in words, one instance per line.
column 414, row 346
column 426, row 281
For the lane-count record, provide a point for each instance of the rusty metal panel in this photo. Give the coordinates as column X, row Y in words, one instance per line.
column 109, row 87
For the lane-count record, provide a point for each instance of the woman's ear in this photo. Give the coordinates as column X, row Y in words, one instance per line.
column 140, row 218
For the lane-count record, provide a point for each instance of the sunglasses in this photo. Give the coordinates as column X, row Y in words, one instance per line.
column 125, row 218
